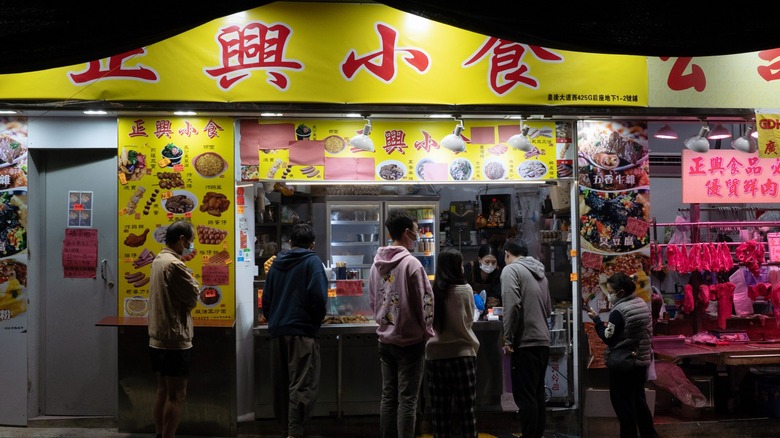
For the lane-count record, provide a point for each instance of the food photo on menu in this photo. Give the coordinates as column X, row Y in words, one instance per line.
column 613, row 156
column 614, row 221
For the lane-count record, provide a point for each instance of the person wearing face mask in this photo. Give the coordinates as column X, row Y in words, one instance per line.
column 629, row 327
column 401, row 297
column 485, row 274
column 173, row 293
column 295, row 297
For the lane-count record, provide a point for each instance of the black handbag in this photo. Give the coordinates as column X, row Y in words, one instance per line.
column 621, row 359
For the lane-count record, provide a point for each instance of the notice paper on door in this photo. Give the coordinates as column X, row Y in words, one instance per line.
column 79, row 253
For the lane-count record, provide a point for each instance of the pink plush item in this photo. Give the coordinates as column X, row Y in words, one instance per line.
column 704, row 250
column 715, row 262
column 774, row 294
column 688, row 301
column 694, row 257
column 725, row 293
column 685, row 264
column 703, row 295
column 671, row 257
column 752, row 292
column 726, row 259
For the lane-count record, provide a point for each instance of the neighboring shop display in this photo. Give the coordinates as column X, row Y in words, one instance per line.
column 614, row 212
column 728, row 176
column 405, row 151
column 170, row 169
column 13, row 231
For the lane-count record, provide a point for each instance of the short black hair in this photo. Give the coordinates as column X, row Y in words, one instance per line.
column 177, row 229
column 399, row 221
column 301, row 235
column 516, row 246
column 621, row 281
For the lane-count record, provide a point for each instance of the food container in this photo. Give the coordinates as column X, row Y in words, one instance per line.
column 368, row 237
column 348, row 259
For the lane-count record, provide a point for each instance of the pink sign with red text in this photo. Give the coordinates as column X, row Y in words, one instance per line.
column 729, row 177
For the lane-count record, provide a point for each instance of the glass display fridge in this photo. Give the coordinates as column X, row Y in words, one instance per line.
column 356, row 230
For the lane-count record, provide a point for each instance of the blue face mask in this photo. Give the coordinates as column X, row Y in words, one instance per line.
column 187, row 251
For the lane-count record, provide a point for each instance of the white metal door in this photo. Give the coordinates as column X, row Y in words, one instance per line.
column 79, row 358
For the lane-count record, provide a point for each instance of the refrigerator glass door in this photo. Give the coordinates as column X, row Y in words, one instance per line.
column 427, row 215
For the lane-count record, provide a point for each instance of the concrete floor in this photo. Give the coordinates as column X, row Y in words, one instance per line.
column 491, row 425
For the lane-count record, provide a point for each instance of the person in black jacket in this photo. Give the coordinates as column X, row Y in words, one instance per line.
column 294, row 303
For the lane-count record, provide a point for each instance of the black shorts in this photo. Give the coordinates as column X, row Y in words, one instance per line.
column 173, row 363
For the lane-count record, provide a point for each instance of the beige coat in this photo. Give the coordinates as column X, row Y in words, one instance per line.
column 173, row 293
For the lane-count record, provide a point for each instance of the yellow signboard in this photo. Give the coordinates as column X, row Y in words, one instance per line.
column 404, row 150
column 342, row 53
column 170, row 169
column 768, row 128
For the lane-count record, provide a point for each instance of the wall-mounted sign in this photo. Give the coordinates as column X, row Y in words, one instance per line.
column 729, row 176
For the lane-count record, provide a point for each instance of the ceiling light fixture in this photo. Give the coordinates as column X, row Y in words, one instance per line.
column 719, row 133
column 754, row 134
column 699, row 142
column 745, row 143
column 666, row 132
column 362, row 141
column 7, row 112
column 95, row 112
column 521, row 141
column 185, row 113
column 454, row 141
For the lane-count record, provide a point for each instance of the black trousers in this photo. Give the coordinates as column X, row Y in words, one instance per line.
column 529, row 365
column 627, row 393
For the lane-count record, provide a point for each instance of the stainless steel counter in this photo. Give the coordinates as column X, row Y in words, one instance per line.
column 351, row 376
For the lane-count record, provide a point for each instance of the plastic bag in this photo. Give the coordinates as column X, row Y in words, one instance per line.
column 673, row 379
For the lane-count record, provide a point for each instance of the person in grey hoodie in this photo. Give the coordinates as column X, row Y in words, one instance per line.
column 401, row 298
column 526, row 298
column 295, row 297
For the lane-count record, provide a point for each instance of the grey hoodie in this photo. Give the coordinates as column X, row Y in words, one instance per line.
column 526, row 299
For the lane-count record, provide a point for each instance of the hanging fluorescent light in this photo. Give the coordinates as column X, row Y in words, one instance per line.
column 362, row 141
column 666, row 132
column 185, row 113
column 719, row 133
column 745, row 143
column 95, row 112
column 521, row 141
column 454, row 141
column 699, row 142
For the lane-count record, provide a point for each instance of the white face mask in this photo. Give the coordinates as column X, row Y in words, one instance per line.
column 187, row 251
column 487, row 269
column 612, row 298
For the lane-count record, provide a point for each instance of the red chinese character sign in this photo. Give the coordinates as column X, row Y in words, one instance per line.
column 279, row 52
column 729, row 177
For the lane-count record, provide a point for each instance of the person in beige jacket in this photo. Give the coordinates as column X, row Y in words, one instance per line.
column 173, row 293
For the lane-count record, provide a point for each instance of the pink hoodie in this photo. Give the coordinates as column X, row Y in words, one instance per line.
column 401, row 297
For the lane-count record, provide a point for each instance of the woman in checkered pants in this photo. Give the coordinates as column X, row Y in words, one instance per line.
column 451, row 355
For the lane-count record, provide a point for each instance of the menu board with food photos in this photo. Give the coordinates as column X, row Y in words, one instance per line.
column 614, row 206
column 13, row 224
column 171, row 169
column 404, row 150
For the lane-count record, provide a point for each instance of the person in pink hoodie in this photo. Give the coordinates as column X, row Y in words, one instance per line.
column 401, row 298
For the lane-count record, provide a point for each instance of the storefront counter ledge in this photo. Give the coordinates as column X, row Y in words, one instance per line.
column 211, row 408
column 351, row 377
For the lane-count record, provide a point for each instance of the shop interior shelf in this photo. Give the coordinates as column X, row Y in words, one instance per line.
column 354, row 243
column 354, row 222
